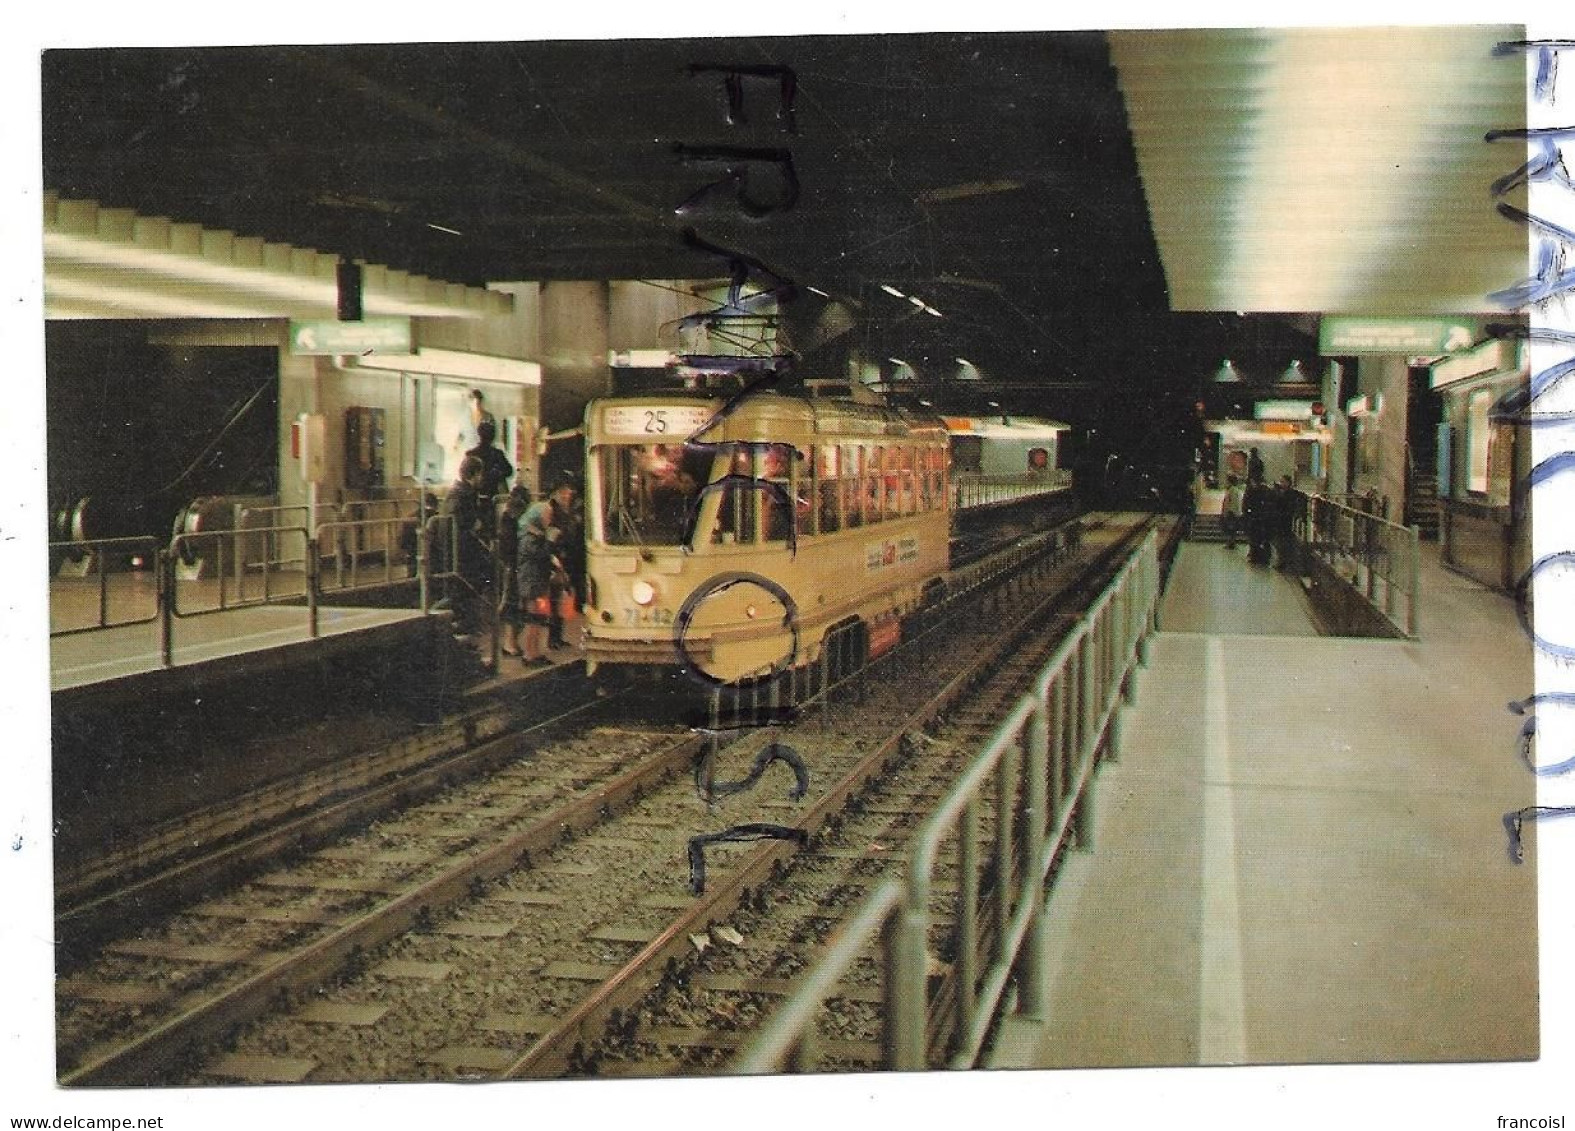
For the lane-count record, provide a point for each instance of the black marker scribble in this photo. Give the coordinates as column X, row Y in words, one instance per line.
column 710, row 789
column 742, row 166
column 1547, row 61
column 719, row 584
column 1552, row 278
column 1523, row 603
column 1528, row 730
column 742, row 267
column 736, row 833
column 1516, row 818
column 734, row 75
column 1547, row 165
column 774, row 491
column 1515, row 406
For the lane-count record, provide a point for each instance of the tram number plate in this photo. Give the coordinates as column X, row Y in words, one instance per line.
column 640, row 618
column 675, row 421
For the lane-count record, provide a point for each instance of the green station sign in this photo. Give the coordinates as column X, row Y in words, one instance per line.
column 1342, row 334
column 370, row 335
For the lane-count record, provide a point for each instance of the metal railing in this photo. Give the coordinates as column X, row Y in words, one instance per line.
column 977, row 489
column 95, row 554
column 1033, row 781
column 1368, row 502
column 273, row 572
column 1378, row 559
column 255, row 566
column 368, row 553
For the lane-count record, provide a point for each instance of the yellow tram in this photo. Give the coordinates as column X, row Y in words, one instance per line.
column 728, row 539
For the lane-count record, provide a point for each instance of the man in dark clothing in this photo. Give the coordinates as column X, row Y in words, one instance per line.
column 1257, row 509
column 466, row 530
column 1255, row 471
column 496, row 468
column 1286, row 502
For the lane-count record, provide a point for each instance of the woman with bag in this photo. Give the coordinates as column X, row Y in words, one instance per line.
column 535, row 566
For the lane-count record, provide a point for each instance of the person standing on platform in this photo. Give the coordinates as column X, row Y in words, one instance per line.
column 535, row 566
column 469, row 435
column 571, row 554
column 511, row 614
column 1286, row 502
column 1255, row 471
column 496, row 468
column 467, row 529
column 1258, row 513
column 1230, row 512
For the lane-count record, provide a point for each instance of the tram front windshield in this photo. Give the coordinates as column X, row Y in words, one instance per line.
column 649, row 492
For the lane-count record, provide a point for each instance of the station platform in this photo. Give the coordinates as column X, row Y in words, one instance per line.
column 251, row 699
column 1299, row 857
column 238, row 639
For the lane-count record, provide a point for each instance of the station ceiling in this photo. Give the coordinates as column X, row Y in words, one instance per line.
column 993, row 177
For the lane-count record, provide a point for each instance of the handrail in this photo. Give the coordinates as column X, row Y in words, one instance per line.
column 1040, row 760
column 391, row 540
column 233, row 570
column 94, row 551
column 977, row 488
column 1369, row 554
column 783, row 1045
column 251, row 564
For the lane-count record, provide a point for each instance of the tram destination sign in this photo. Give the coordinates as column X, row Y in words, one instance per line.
column 1427, row 337
column 657, row 421
column 371, row 335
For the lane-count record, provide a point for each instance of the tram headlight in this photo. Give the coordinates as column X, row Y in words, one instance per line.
column 643, row 593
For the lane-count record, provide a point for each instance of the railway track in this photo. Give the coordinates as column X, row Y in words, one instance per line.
column 387, row 925
column 182, row 857
column 701, row 1014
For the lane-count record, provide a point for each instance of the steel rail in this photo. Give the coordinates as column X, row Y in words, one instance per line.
column 562, row 1050
column 394, row 781
column 139, row 1060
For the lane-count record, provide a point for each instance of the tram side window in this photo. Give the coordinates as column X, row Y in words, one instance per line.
column 778, row 504
column 905, row 486
column 891, row 482
column 828, row 488
column 873, row 494
column 852, row 485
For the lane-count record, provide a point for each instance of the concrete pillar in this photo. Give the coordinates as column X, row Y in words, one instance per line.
column 1384, row 381
column 299, row 391
column 1338, row 472
column 574, row 344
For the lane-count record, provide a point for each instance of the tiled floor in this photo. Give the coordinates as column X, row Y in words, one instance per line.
column 1300, row 857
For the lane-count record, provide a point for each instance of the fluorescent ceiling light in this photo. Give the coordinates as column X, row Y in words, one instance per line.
column 893, row 291
column 453, row 363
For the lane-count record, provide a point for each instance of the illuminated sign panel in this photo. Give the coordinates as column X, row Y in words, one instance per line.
column 1340, row 335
